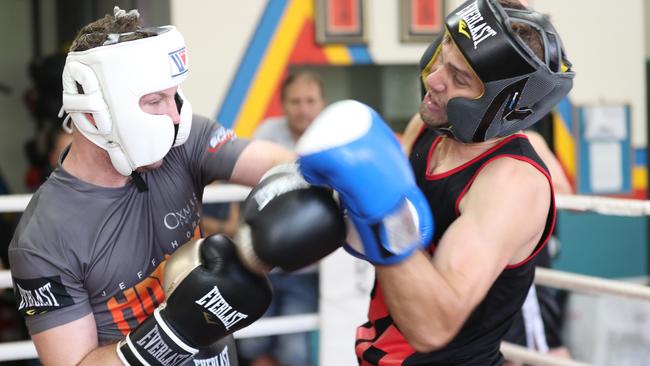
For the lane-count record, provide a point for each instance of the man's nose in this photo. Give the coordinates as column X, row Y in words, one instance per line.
column 173, row 113
column 436, row 80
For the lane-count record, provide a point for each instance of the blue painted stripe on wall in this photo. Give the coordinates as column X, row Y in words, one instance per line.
column 640, row 156
column 252, row 58
column 565, row 109
column 359, row 55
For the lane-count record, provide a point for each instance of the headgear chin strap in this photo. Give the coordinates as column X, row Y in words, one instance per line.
column 113, row 78
column 519, row 88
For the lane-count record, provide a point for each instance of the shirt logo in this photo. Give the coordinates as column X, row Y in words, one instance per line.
column 178, row 62
column 131, row 306
column 219, row 138
column 473, row 26
column 40, row 295
column 188, row 214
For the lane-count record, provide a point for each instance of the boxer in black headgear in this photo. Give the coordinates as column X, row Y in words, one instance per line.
column 498, row 68
column 519, row 87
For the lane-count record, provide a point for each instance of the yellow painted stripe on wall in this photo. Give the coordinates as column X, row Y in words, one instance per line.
column 565, row 147
column 271, row 68
column 639, row 178
column 337, row 54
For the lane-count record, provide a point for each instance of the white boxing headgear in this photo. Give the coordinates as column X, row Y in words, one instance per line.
column 113, row 78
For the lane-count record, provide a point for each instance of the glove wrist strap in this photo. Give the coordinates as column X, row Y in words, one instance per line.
column 154, row 343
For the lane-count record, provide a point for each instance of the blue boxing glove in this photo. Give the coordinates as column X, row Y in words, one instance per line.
column 350, row 148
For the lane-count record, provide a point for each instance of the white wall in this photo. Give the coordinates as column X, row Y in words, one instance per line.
column 606, row 43
column 646, row 8
column 217, row 34
column 384, row 42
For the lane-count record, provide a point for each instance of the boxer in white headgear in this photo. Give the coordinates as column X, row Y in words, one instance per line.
column 104, row 247
column 102, row 88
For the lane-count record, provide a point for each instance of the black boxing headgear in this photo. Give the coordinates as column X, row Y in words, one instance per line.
column 519, row 87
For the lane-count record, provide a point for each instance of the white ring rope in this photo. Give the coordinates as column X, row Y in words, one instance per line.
column 280, row 325
column 14, row 202
column 225, row 193
column 516, row 353
column 212, row 194
column 603, row 205
column 589, row 284
column 308, row 322
column 5, row 279
column 23, row 350
column 236, row 193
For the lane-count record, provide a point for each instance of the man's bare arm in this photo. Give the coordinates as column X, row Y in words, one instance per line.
column 256, row 159
column 74, row 343
column 503, row 216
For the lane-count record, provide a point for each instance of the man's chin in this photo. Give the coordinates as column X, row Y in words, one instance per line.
column 150, row 167
column 433, row 122
column 431, row 119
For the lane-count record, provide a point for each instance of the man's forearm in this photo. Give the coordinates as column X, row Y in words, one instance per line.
column 105, row 355
column 420, row 301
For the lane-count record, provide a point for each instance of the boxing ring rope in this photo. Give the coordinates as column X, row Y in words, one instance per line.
column 308, row 322
column 516, row 353
column 14, row 202
column 603, row 205
column 22, row 350
column 235, row 193
column 588, row 284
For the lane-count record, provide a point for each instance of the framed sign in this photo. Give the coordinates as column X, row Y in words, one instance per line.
column 340, row 21
column 421, row 20
column 604, row 149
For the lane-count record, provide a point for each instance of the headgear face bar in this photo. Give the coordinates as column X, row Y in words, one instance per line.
column 519, row 88
column 114, row 77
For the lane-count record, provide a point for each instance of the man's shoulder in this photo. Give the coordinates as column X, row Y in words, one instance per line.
column 199, row 131
column 41, row 216
column 53, row 211
column 199, row 122
column 207, row 128
column 201, row 119
column 511, row 183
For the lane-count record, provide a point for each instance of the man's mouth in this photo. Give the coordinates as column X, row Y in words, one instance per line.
column 431, row 104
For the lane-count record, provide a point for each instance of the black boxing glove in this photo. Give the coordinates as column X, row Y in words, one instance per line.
column 209, row 295
column 222, row 353
column 290, row 223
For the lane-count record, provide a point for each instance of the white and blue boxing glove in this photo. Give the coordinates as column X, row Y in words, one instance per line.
column 350, row 148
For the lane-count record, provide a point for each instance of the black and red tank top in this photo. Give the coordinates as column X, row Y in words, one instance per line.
column 379, row 341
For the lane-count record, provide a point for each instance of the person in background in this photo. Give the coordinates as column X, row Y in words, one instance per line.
column 302, row 99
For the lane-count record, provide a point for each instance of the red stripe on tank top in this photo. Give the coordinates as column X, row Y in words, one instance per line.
column 468, row 163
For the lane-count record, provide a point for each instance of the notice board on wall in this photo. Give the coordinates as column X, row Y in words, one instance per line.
column 604, row 149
